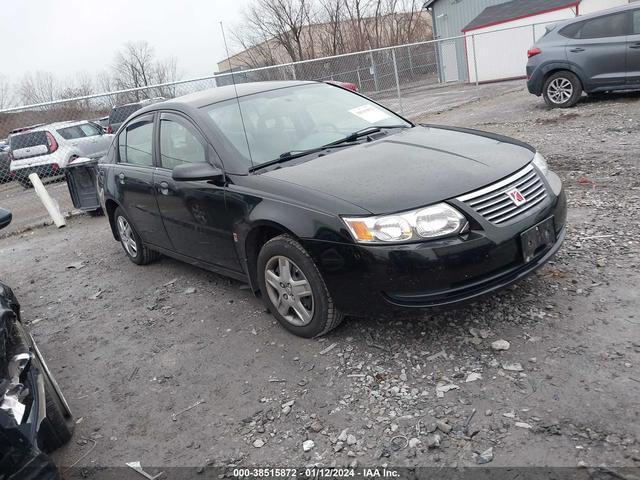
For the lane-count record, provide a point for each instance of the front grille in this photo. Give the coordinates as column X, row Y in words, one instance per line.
column 496, row 206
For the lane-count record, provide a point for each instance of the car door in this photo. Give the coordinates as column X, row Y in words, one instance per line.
column 600, row 50
column 193, row 212
column 633, row 50
column 134, row 180
column 94, row 143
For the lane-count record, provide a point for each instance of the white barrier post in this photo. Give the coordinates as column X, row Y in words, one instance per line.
column 47, row 201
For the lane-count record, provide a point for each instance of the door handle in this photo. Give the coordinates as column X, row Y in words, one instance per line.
column 635, row 45
column 75, row 144
column 164, row 189
column 577, row 49
column 121, row 177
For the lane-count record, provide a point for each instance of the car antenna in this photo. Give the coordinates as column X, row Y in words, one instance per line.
column 233, row 80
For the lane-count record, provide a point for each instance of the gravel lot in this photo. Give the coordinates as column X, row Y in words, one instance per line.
column 27, row 209
column 133, row 345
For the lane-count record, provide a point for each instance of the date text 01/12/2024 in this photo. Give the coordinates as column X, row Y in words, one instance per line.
column 314, row 472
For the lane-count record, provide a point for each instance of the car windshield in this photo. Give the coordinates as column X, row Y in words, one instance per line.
column 296, row 119
column 26, row 140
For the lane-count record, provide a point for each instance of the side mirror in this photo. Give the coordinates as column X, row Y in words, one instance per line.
column 196, row 171
column 5, row 218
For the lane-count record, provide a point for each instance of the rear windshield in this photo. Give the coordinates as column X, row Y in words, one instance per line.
column 26, row 140
column 120, row 114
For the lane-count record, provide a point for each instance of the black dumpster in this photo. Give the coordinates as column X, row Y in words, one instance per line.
column 81, row 180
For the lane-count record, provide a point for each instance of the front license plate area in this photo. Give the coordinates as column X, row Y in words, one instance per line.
column 537, row 239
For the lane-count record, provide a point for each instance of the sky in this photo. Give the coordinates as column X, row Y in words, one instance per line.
column 70, row 37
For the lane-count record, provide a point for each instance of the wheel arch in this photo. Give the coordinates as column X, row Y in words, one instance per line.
column 259, row 234
column 110, row 207
column 552, row 68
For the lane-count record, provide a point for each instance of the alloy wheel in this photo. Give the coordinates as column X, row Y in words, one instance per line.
column 126, row 236
column 560, row 90
column 289, row 290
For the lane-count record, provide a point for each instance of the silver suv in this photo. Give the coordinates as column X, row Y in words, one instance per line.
column 595, row 53
column 49, row 148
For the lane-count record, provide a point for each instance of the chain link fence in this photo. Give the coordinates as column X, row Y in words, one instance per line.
column 414, row 80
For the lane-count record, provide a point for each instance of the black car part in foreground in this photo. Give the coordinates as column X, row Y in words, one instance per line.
column 34, row 415
column 328, row 203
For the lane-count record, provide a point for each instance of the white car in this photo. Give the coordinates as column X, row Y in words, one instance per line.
column 49, row 148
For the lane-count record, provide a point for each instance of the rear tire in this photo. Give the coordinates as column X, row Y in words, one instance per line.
column 562, row 90
column 131, row 242
column 57, row 427
column 296, row 294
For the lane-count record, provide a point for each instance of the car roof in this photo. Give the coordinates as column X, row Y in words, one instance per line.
column 599, row 13
column 54, row 126
column 220, row 94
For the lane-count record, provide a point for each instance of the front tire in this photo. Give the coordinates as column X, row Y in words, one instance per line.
column 562, row 90
column 131, row 242
column 293, row 289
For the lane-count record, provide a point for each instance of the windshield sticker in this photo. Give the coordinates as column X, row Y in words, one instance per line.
column 369, row 113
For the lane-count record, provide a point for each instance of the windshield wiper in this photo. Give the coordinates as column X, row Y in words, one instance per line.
column 352, row 137
column 343, row 142
column 286, row 156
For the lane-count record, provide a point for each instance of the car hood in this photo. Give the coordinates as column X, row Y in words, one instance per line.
column 413, row 168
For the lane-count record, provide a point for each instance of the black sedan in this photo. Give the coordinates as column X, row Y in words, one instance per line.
column 328, row 203
column 34, row 415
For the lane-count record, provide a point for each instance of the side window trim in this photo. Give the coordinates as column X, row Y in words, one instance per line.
column 151, row 116
column 187, row 123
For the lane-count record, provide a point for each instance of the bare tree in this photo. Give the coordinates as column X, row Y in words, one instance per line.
column 284, row 21
column 333, row 17
column 80, row 85
column 136, row 66
column 40, row 87
column 166, row 72
column 278, row 31
column 6, row 92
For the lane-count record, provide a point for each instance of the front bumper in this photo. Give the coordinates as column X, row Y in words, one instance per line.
column 369, row 279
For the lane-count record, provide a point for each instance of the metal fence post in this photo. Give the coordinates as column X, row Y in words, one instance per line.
column 475, row 64
column 395, row 72
column 374, row 72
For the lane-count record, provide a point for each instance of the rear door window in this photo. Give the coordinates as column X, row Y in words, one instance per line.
column 636, row 22
column 572, row 30
column 615, row 25
column 71, row 133
column 89, row 129
column 136, row 142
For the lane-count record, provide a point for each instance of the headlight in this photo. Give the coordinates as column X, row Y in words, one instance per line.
column 540, row 162
column 436, row 221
